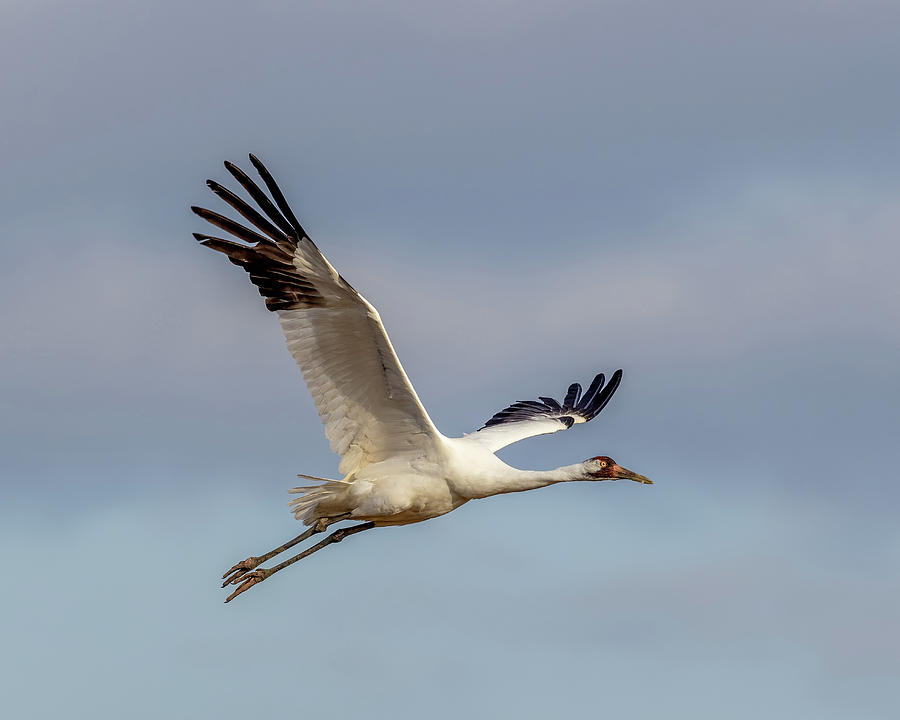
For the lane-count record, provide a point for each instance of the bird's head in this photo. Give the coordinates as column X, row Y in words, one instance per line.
column 604, row 467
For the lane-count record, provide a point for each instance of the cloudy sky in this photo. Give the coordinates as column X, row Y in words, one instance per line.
column 705, row 194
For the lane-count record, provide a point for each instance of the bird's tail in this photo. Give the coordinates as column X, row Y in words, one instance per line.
column 314, row 499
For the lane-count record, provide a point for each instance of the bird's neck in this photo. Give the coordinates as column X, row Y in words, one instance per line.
column 514, row 480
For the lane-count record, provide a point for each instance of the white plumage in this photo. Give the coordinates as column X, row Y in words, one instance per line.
column 398, row 468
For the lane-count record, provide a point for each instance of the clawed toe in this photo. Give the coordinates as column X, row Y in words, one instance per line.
column 238, row 571
column 249, row 580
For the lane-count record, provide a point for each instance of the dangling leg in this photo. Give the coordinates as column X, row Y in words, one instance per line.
column 257, row 576
column 244, row 566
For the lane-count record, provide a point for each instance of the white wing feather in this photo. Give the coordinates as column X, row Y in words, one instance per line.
column 365, row 399
column 499, row 436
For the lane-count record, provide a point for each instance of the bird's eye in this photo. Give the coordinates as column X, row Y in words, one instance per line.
column 603, row 463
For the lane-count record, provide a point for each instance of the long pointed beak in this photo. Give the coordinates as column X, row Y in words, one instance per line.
column 625, row 474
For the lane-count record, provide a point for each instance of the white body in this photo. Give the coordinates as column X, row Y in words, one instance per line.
column 412, row 488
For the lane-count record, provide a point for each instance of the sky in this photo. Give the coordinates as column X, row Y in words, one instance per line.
column 704, row 194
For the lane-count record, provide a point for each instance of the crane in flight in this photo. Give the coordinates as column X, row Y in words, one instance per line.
column 397, row 467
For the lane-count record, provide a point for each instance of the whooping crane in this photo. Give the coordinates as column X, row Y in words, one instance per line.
column 398, row 468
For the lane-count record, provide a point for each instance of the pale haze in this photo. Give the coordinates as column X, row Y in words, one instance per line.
column 704, row 194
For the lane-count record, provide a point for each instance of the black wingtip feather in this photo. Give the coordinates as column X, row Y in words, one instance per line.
column 604, row 396
column 572, row 395
column 260, row 198
column 268, row 260
column 592, row 390
column 248, row 213
column 229, row 225
column 277, row 195
column 586, row 406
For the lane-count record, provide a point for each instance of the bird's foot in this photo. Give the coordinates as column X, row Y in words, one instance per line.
column 238, row 571
column 248, row 580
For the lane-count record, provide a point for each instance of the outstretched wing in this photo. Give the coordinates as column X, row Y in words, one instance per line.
column 527, row 418
column 366, row 401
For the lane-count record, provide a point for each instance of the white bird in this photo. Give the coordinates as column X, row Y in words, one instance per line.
column 397, row 467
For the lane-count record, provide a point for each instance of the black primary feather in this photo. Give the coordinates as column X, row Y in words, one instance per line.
column 259, row 197
column 269, row 258
column 247, row 211
column 575, row 405
column 276, row 194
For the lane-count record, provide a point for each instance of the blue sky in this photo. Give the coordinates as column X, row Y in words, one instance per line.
column 703, row 194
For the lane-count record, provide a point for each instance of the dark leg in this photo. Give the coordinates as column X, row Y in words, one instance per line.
column 244, row 566
column 257, row 576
